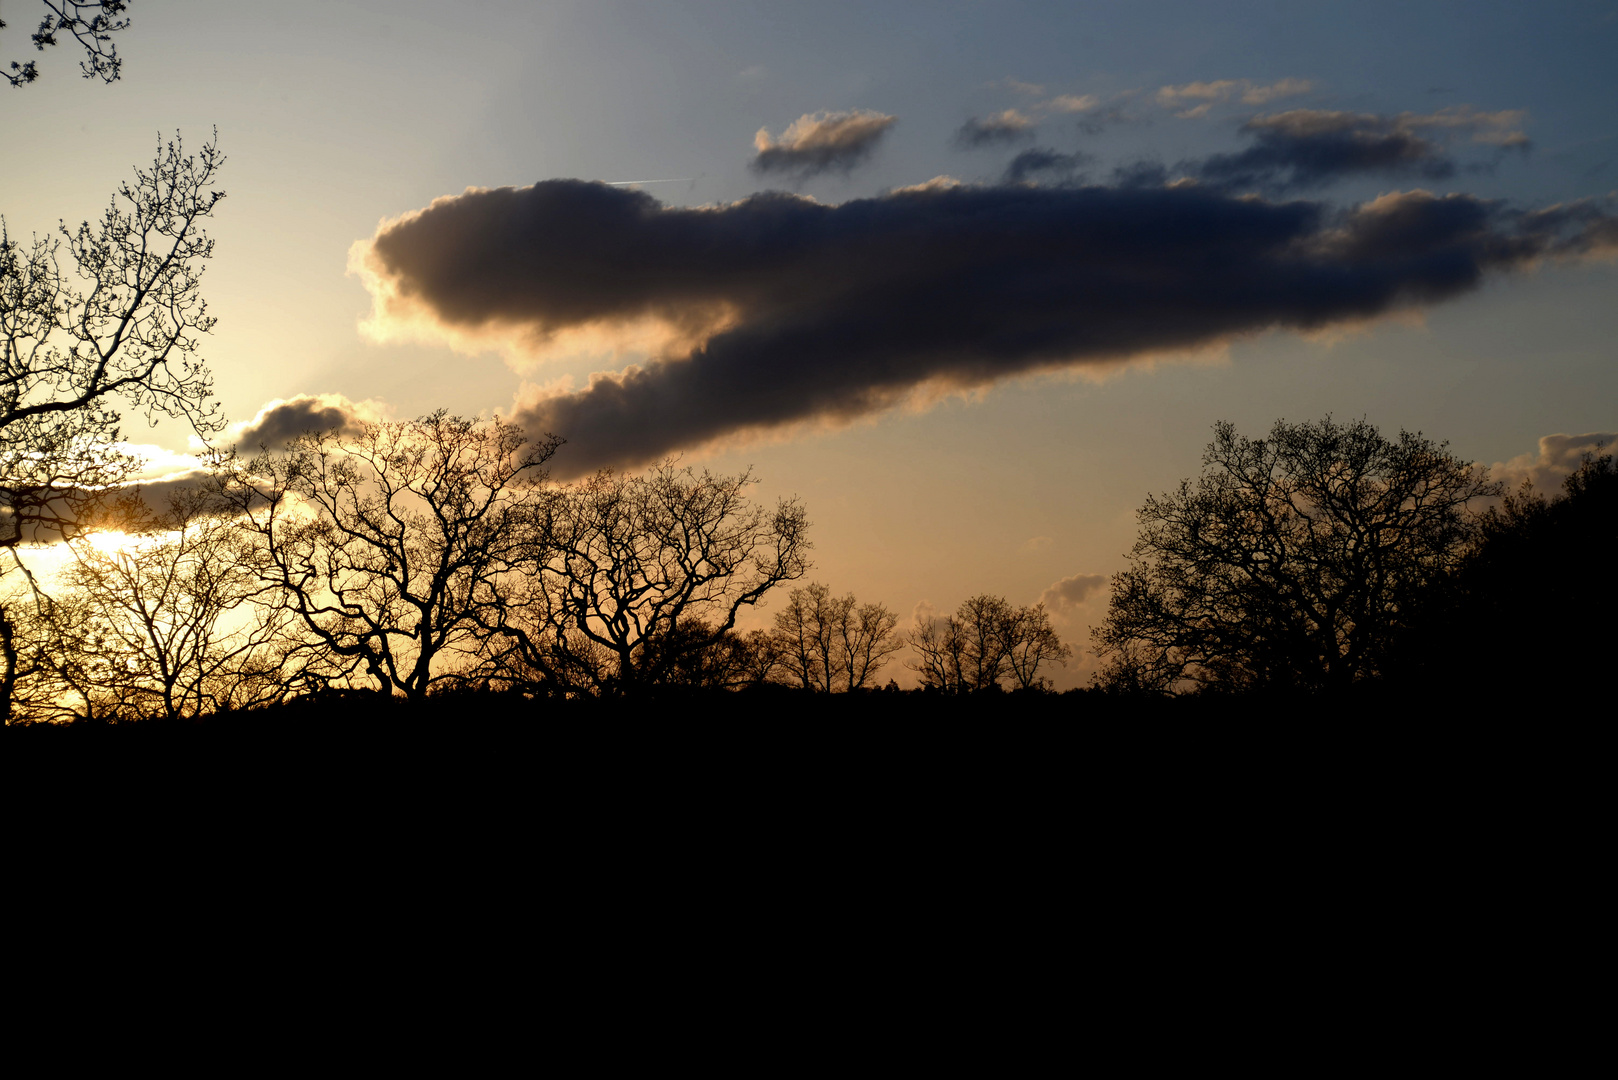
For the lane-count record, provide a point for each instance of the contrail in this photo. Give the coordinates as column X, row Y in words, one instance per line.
column 628, row 183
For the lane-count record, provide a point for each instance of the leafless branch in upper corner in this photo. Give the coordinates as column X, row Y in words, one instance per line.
column 91, row 23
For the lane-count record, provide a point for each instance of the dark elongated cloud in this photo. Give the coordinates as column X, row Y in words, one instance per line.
column 780, row 310
column 821, row 142
column 1309, row 148
column 1002, row 127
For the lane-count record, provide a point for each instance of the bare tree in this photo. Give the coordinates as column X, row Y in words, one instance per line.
column 164, row 618
column 33, row 687
column 832, row 643
column 642, row 571
column 1292, row 562
column 389, row 548
column 940, row 646
column 123, row 328
column 1030, row 644
column 92, row 24
column 985, row 642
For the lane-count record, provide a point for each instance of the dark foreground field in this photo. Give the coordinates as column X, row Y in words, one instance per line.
column 769, row 734
column 1050, row 854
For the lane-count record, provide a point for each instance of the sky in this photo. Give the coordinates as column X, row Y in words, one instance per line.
column 970, row 279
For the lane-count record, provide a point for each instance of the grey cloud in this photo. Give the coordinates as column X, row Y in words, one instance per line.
column 1071, row 103
column 1309, row 148
column 1197, row 98
column 1019, row 86
column 1071, row 592
column 1003, row 127
column 1140, row 174
column 1043, row 163
column 1095, row 123
column 279, row 422
column 790, row 310
column 1558, row 458
column 47, row 516
column 821, row 142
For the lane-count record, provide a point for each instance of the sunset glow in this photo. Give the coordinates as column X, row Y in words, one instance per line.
column 959, row 286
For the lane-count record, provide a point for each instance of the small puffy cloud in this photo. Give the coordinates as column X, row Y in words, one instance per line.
column 1097, row 121
column 1072, row 103
column 1002, row 127
column 821, row 142
column 1072, row 592
column 1194, row 99
column 1263, row 95
column 1020, row 87
column 1558, row 458
column 282, row 420
column 941, row 182
column 1502, row 128
column 925, row 613
column 1174, row 97
column 1042, row 164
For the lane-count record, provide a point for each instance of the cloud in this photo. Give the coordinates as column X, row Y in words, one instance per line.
column 1071, row 592
column 821, row 142
column 281, row 421
column 1040, row 161
column 1018, row 86
column 782, row 311
column 1002, row 127
column 1263, row 95
column 1175, row 97
column 1558, row 458
column 1094, row 123
column 1306, row 148
column 1503, row 128
column 1197, row 98
column 1072, row 103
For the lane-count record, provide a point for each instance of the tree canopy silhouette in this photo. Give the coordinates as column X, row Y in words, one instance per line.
column 831, row 644
column 1539, row 587
column 389, row 548
column 1291, row 562
column 640, row 572
column 986, row 643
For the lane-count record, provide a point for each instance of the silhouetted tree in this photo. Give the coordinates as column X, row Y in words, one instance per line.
column 390, row 547
column 639, row 571
column 985, row 642
column 1031, row 643
column 164, row 619
column 1538, row 589
column 70, row 353
column 1291, row 563
column 831, row 643
column 92, row 24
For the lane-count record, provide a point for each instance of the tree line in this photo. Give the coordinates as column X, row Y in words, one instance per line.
column 426, row 555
